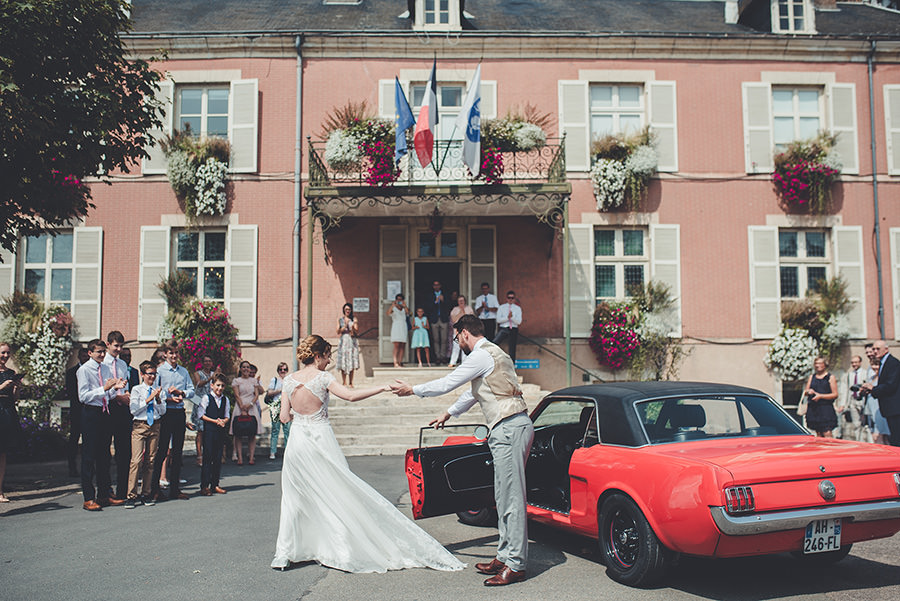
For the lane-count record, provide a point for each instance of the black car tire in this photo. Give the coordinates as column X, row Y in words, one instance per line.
column 631, row 551
column 478, row 517
column 822, row 559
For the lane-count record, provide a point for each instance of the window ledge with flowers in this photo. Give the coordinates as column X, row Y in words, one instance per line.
column 198, row 173
column 623, row 166
column 805, row 173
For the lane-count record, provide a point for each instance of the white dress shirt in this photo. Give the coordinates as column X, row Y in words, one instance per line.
column 91, row 377
column 204, row 403
column 478, row 363
column 509, row 315
column 139, row 396
column 491, row 304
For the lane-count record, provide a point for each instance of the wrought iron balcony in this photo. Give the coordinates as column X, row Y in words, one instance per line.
column 545, row 164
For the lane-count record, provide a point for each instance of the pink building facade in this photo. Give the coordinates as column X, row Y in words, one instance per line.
column 718, row 90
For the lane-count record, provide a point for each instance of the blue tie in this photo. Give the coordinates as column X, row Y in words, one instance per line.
column 149, row 409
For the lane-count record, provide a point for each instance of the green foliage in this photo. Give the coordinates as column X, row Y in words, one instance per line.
column 70, row 102
column 206, row 329
column 178, row 289
column 345, row 117
column 197, row 171
column 822, row 315
column 802, row 314
column 617, row 147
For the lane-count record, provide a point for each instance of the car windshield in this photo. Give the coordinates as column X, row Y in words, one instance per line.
column 703, row 417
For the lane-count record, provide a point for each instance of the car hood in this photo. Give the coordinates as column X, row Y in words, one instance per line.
column 779, row 458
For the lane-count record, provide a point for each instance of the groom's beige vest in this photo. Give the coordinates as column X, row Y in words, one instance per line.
column 498, row 393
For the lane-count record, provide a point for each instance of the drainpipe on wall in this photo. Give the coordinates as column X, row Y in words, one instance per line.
column 871, row 68
column 567, row 308
column 298, row 156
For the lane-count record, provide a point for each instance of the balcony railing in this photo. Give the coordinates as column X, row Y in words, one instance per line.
column 546, row 164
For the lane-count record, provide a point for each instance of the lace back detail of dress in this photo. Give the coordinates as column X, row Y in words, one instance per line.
column 318, row 385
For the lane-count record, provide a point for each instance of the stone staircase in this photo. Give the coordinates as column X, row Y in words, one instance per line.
column 389, row 425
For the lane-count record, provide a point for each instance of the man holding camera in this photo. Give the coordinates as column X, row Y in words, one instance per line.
column 850, row 409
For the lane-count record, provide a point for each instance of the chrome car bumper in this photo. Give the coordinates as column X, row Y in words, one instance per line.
column 743, row 525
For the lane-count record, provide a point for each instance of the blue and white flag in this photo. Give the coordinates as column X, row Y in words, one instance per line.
column 404, row 119
column 469, row 122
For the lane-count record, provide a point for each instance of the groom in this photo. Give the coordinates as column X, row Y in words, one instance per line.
column 496, row 387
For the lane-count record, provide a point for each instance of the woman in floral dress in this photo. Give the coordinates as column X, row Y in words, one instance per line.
column 347, row 359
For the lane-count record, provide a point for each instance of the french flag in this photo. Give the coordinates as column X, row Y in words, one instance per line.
column 423, row 138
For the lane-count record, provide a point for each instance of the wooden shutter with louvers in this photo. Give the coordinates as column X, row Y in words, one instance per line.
column 7, row 272
column 482, row 259
column 394, row 267
column 240, row 279
column 386, row 106
column 665, row 267
column 243, row 115
column 488, row 104
column 843, row 123
column 848, row 263
column 582, row 299
column 574, row 123
column 662, row 117
column 765, row 282
column 892, row 127
column 895, row 277
column 156, row 162
column 87, row 270
column 154, row 269
column 758, row 140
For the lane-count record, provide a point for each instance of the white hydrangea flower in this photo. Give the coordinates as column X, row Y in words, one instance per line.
column 342, row 151
column 608, row 177
column 792, row 353
column 210, row 187
column 837, row 330
column 643, row 161
column 529, row 136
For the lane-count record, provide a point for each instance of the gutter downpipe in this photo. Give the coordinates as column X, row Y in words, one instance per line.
column 567, row 303
column 871, row 68
column 298, row 161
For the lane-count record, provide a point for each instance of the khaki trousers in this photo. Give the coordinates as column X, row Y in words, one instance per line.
column 143, row 437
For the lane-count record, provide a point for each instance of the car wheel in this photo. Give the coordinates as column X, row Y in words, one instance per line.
column 478, row 517
column 822, row 559
column 630, row 549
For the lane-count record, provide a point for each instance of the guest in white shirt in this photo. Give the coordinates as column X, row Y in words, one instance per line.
column 94, row 386
column 486, row 307
column 850, row 408
column 214, row 410
column 509, row 318
column 119, row 412
column 147, row 407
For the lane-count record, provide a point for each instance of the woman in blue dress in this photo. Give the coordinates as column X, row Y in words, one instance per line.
column 420, row 339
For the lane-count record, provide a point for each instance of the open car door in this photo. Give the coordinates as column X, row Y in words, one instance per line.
column 457, row 475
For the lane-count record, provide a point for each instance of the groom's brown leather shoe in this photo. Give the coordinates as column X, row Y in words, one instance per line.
column 504, row 577
column 91, row 506
column 492, row 567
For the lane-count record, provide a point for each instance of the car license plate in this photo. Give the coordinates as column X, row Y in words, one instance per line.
column 822, row 535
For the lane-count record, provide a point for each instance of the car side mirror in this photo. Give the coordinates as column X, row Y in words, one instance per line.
column 481, row 432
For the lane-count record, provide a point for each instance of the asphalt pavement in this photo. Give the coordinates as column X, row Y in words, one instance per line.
column 220, row 547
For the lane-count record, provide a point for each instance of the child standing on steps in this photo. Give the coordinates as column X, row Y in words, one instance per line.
column 420, row 339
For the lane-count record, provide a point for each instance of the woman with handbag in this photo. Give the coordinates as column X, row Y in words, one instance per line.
column 820, row 391
column 246, row 422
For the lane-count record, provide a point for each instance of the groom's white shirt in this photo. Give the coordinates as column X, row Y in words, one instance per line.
column 478, row 363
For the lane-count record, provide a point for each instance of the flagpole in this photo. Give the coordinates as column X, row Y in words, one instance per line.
column 446, row 150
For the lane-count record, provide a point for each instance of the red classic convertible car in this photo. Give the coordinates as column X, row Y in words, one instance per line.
column 653, row 469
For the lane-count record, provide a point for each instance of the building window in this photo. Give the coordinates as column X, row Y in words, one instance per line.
column 442, row 245
column 449, row 98
column 797, row 114
column 203, row 110
column 804, row 261
column 437, row 12
column 792, row 16
column 616, row 109
column 201, row 255
column 437, row 15
column 48, row 267
column 621, row 262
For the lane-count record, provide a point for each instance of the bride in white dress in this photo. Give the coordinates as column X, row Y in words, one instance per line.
column 328, row 514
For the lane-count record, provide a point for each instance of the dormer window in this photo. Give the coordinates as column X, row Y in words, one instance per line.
column 792, row 16
column 437, row 15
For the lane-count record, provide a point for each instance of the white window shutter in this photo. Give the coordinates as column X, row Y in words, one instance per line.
column 240, row 279
column 482, row 258
column 574, row 123
column 665, row 266
column 243, row 115
column 843, row 123
column 758, row 137
column 895, row 277
column 765, row 281
column 7, row 272
column 663, row 120
column 154, row 268
column 848, row 263
column 394, row 267
column 386, row 106
column 892, row 127
column 157, row 162
column 87, row 275
column 582, row 298
column 488, row 104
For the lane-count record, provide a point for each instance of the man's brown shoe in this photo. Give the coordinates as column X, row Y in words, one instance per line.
column 219, row 490
column 205, row 492
column 92, row 506
column 492, row 567
column 504, row 577
column 116, row 502
column 181, row 496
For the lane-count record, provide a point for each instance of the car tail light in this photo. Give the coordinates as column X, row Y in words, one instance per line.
column 897, row 482
column 739, row 499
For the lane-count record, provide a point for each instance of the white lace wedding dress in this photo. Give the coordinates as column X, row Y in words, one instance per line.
column 330, row 515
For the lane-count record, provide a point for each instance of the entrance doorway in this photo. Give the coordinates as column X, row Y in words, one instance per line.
column 426, row 273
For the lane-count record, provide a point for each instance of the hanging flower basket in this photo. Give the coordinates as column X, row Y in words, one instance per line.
column 622, row 169
column 805, row 172
column 198, row 172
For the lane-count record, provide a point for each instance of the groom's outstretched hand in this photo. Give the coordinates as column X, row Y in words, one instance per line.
column 401, row 388
column 439, row 422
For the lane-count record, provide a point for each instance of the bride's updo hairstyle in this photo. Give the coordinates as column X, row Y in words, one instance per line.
column 311, row 347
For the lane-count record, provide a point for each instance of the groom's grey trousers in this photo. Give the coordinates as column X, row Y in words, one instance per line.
column 510, row 443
